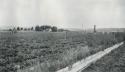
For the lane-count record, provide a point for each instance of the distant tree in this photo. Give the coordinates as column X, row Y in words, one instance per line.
column 21, row 28
column 14, row 30
column 45, row 28
column 37, row 28
column 48, row 28
column 42, row 28
column 31, row 28
column 10, row 29
column 25, row 29
column 54, row 29
column 18, row 28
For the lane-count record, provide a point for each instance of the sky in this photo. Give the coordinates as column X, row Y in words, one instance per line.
column 80, row 14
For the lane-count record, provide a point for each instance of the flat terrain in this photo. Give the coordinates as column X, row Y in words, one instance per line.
column 86, row 62
column 50, row 51
column 113, row 62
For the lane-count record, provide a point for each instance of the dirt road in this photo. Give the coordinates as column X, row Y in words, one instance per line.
column 81, row 65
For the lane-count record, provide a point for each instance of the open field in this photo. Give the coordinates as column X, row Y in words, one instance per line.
column 113, row 62
column 50, row 51
column 86, row 62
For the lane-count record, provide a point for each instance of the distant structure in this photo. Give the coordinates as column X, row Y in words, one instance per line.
column 94, row 28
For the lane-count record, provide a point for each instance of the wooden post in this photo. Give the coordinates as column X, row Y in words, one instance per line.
column 94, row 28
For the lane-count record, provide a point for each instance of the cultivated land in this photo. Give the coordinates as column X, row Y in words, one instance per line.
column 84, row 63
column 113, row 62
column 50, row 51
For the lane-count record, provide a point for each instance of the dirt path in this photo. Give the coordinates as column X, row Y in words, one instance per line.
column 81, row 65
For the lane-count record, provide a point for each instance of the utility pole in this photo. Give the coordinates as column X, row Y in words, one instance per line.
column 94, row 28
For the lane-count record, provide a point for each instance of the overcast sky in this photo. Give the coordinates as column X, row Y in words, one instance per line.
column 63, row 13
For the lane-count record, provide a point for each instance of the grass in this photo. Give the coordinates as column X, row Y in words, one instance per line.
column 62, row 60
column 113, row 62
column 49, row 51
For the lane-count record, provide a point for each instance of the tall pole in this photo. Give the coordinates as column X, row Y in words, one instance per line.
column 94, row 28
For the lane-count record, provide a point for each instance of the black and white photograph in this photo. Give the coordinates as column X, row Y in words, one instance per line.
column 62, row 35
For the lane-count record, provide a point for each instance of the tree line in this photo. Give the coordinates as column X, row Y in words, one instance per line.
column 43, row 28
column 21, row 29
